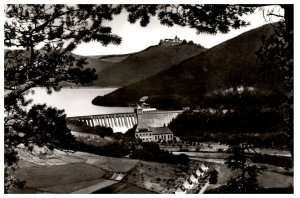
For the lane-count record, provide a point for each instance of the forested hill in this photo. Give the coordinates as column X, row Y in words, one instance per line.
column 95, row 63
column 92, row 62
column 146, row 63
column 226, row 65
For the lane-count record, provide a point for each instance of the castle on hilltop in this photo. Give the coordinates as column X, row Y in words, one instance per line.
column 170, row 42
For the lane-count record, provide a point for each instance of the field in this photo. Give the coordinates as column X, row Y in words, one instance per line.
column 269, row 178
column 60, row 179
column 67, row 172
column 60, row 172
column 114, row 164
column 123, row 188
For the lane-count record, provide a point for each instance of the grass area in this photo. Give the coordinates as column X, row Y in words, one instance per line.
column 157, row 177
column 123, row 188
column 143, row 177
column 268, row 179
column 288, row 190
column 115, row 164
column 71, row 187
column 23, row 164
column 273, row 160
column 70, row 174
column 275, row 180
column 71, row 177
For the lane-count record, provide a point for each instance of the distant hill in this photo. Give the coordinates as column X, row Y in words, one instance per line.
column 146, row 63
column 115, row 57
column 99, row 63
column 96, row 63
column 228, row 64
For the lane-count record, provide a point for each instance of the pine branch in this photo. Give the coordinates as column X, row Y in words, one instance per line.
column 14, row 94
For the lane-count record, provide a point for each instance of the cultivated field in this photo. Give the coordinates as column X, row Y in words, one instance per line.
column 114, row 164
column 123, row 188
column 60, row 179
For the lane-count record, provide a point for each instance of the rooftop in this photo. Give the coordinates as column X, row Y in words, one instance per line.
column 142, row 127
column 160, row 130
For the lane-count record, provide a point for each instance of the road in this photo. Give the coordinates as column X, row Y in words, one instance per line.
column 95, row 187
column 204, row 188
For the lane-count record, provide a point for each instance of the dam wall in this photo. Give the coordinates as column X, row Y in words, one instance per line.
column 119, row 122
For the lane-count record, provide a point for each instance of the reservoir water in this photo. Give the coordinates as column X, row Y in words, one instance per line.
column 75, row 101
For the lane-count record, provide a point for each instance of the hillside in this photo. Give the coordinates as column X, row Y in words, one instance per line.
column 228, row 64
column 96, row 63
column 146, row 63
column 115, row 57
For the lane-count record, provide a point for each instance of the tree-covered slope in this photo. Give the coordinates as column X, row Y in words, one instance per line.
column 95, row 63
column 146, row 63
column 228, row 64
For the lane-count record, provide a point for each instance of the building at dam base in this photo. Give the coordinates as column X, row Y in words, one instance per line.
column 152, row 124
column 153, row 134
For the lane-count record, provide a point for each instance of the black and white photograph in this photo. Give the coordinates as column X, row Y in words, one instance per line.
column 148, row 98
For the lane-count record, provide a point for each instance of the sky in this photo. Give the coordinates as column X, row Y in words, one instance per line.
column 136, row 38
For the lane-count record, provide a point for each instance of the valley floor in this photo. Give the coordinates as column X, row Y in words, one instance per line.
column 77, row 172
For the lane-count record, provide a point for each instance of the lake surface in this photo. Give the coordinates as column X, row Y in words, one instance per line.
column 75, row 101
